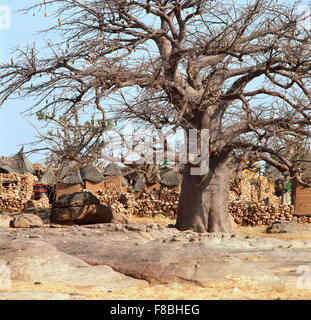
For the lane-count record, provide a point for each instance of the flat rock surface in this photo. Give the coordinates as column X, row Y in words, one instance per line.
column 33, row 260
column 286, row 227
column 116, row 256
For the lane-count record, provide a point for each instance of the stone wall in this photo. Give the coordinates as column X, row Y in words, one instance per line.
column 253, row 199
column 254, row 188
column 164, row 201
column 252, row 214
column 15, row 190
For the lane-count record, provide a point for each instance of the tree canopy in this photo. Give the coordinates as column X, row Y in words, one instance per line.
column 240, row 69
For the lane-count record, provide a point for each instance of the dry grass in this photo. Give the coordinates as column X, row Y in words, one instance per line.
column 257, row 231
column 159, row 218
column 260, row 231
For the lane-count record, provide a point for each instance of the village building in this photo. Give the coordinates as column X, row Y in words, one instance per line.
column 301, row 194
column 16, row 164
column 71, row 180
column 16, row 182
column 172, row 180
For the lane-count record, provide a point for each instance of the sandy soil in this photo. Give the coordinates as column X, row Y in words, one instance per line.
column 245, row 289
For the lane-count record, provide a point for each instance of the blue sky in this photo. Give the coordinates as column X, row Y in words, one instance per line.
column 16, row 130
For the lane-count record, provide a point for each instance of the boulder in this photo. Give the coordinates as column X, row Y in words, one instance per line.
column 78, row 199
column 171, row 179
column 88, row 214
column 26, row 220
column 43, row 213
column 285, row 227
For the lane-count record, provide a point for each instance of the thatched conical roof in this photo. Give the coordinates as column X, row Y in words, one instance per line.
column 73, row 178
column 18, row 164
column 140, row 184
column 171, row 179
column 91, row 173
column 70, row 174
column 48, row 177
column 21, row 164
column 5, row 167
column 113, row 170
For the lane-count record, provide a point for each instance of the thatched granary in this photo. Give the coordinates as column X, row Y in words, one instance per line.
column 89, row 178
column 140, row 183
column 71, row 180
column 16, row 164
column 93, row 178
column 113, row 170
column 48, row 177
column 172, row 180
column 92, row 174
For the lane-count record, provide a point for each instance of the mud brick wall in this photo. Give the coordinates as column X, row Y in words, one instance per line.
column 302, row 200
column 67, row 189
column 15, row 190
column 112, row 183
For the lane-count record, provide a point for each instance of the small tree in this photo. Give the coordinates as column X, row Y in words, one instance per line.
column 241, row 71
column 67, row 139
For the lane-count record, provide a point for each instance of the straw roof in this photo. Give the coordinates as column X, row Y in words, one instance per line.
column 113, row 170
column 48, row 177
column 22, row 164
column 70, row 174
column 171, row 179
column 91, row 173
column 140, row 185
column 74, row 178
column 18, row 164
column 5, row 167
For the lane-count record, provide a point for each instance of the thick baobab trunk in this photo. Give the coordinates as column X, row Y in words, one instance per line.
column 203, row 202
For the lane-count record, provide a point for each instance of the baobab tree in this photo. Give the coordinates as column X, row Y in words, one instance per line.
column 241, row 70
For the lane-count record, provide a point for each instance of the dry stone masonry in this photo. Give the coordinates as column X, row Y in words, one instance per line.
column 15, row 190
column 164, row 201
column 253, row 187
column 252, row 214
column 253, row 199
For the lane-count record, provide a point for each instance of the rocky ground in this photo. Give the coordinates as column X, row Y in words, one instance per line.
column 149, row 261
